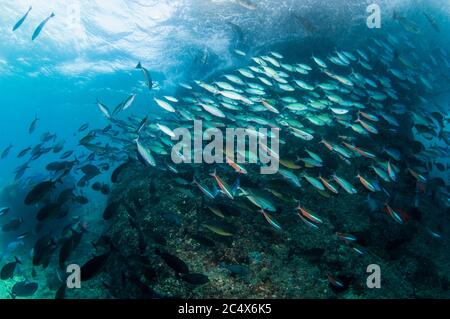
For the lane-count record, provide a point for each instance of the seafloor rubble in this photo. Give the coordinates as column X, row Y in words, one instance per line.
column 160, row 212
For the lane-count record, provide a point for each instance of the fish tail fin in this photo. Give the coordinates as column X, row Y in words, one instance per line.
column 138, row 66
column 18, row 260
column 214, row 174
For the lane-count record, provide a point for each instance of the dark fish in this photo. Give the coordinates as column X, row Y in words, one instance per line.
column 7, row 271
column 236, row 269
column 24, row 235
column 20, row 171
column 432, row 21
column 97, row 186
column 146, row 291
column 149, row 273
column 65, row 195
column 147, row 77
column 33, row 125
column 87, row 139
column 111, row 210
column 105, row 189
column 43, row 249
column 83, row 127
column 440, row 166
column 104, row 166
column 3, row 211
column 142, row 124
column 83, row 181
column 115, row 174
column 6, row 151
column 157, row 237
column 107, row 128
column 39, row 192
column 21, row 20
column 90, row 170
column 60, row 166
column 238, row 32
column 47, row 136
column 92, row 267
column 24, row 289
column 23, row 152
column 173, row 262
column 41, row 25
column 306, row 24
column 66, row 154
column 49, row 211
column 91, row 157
column 56, row 166
column 68, row 246
column 195, row 279
column 80, row 199
column 58, row 147
column 12, row 225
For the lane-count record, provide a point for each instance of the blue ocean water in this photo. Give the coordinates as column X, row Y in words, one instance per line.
column 89, row 50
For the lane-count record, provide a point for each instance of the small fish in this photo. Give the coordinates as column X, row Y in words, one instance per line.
column 104, row 109
column 366, row 183
column 314, row 182
column 41, row 25
column 165, row 105
column 7, row 271
column 238, row 168
column 3, row 211
column 303, row 212
column 166, row 130
column 147, row 77
column 368, row 127
column 39, row 191
column 270, row 220
column 178, row 265
column 33, row 125
column 24, row 288
column 391, row 171
column 144, row 154
column 417, row 176
column 328, row 185
column 223, row 185
column 205, row 190
column 221, row 229
column 346, row 237
column 195, row 279
column 94, row 266
column 21, row 20
column 335, row 282
column 6, row 151
column 391, row 212
column 345, row 184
